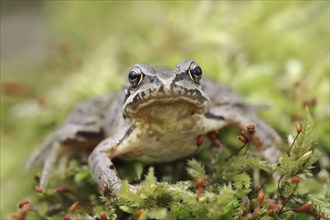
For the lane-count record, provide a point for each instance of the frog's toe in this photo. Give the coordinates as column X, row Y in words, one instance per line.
column 42, row 152
column 49, row 164
column 113, row 188
column 108, row 187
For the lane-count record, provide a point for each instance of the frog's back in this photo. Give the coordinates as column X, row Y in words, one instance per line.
column 220, row 94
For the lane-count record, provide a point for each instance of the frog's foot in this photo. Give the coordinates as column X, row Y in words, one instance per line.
column 103, row 170
column 48, row 153
column 104, row 173
column 42, row 152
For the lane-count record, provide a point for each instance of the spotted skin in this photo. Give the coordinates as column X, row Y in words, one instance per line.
column 156, row 119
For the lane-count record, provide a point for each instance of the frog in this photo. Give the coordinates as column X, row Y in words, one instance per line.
column 156, row 118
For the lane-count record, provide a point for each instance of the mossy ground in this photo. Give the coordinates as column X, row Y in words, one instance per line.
column 269, row 51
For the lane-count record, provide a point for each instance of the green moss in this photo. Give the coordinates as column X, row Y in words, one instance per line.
column 274, row 52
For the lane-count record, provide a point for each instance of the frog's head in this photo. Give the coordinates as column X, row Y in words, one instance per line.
column 158, row 94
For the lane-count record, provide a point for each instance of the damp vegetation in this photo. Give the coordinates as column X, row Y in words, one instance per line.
column 222, row 185
column 273, row 53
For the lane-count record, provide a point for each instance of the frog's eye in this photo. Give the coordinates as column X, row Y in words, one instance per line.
column 135, row 77
column 195, row 72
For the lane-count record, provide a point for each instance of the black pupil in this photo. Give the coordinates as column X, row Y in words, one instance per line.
column 197, row 71
column 133, row 76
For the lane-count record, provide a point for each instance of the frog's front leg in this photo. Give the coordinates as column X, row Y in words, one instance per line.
column 102, row 169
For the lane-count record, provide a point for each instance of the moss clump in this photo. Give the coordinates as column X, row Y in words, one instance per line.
column 218, row 186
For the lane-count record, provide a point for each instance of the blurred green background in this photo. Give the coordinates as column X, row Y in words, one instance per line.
column 55, row 53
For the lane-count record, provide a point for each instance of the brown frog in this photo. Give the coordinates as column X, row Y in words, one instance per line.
column 156, row 119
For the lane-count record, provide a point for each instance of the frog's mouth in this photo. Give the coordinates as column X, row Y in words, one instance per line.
column 166, row 107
